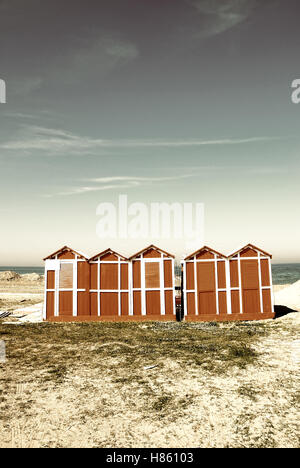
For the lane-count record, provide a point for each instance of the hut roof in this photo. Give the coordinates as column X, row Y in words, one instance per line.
column 205, row 249
column 149, row 248
column 249, row 246
column 105, row 252
column 67, row 249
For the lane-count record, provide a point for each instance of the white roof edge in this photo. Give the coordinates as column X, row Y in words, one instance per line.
column 81, row 253
column 236, row 251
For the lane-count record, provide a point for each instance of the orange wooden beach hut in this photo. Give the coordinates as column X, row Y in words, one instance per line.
column 109, row 288
column 67, row 283
column 235, row 287
column 153, row 284
column 205, row 293
column 251, row 286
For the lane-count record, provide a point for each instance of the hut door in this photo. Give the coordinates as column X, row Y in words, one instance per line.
column 206, row 284
column 250, row 285
column 66, row 276
column 152, row 286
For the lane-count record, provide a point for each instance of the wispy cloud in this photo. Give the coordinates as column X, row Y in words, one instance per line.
column 19, row 115
column 55, row 141
column 139, row 180
column 118, row 183
column 221, row 15
column 36, row 115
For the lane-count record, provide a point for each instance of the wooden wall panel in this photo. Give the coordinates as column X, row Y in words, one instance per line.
column 249, row 271
column 190, row 276
column 94, row 304
column 152, row 275
column 124, row 304
column 205, row 256
column 251, row 301
column 124, row 276
column 66, row 256
column 109, row 257
column 83, row 272
column 152, row 253
column 235, row 302
column 221, row 275
column 65, row 303
column 153, row 303
column 206, row 276
column 109, row 304
column 136, row 271
column 169, row 301
column 137, row 303
column 50, row 279
column 94, row 276
column 267, row 301
column 191, row 307
column 248, row 253
column 207, row 303
column 222, row 303
column 50, row 305
column 108, row 276
column 168, row 273
column 265, row 273
column 83, row 303
column 234, row 274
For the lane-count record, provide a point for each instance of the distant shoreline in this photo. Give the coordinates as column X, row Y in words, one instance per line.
column 283, row 273
column 23, row 270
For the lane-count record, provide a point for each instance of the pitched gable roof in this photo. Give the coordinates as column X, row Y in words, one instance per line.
column 67, row 249
column 205, row 249
column 149, row 248
column 105, row 252
column 249, row 246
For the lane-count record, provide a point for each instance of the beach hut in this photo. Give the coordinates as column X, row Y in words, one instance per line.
column 67, row 280
column 152, row 285
column 205, row 285
column 109, row 286
column 250, row 286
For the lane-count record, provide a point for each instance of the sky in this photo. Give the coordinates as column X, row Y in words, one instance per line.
column 174, row 101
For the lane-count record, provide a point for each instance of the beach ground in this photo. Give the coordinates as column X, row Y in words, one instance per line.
column 28, row 290
column 151, row 384
column 20, row 291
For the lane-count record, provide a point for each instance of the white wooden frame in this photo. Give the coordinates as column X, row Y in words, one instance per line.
column 237, row 257
column 118, row 291
column 194, row 291
column 57, row 289
column 143, row 290
column 259, row 259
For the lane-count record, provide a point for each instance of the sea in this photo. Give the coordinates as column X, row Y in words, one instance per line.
column 284, row 273
column 23, row 270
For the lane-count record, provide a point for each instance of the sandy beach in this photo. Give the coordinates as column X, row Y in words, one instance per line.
column 23, row 291
column 20, row 291
column 147, row 385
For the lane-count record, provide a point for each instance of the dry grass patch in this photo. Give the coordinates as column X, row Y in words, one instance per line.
column 91, row 384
